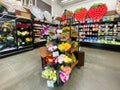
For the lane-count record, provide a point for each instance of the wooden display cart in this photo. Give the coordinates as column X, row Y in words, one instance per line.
column 79, row 56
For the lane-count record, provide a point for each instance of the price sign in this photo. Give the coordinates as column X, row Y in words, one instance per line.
column 50, row 83
column 55, row 54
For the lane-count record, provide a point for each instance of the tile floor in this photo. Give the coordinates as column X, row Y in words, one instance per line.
column 23, row 72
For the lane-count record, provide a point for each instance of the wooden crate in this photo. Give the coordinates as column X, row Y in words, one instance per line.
column 23, row 14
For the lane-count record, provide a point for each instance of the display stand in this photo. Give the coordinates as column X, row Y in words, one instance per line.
column 60, row 56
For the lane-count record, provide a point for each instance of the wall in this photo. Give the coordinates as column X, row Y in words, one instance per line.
column 43, row 6
column 88, row 3
column 47, row 2
column 57, row 10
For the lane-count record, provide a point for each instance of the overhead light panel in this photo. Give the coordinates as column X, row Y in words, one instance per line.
column 66, row 1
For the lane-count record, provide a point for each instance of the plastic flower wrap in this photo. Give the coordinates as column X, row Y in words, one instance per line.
column 68, row 28
column 44, row 30
column 64, row 35
column 65, row 73
column 51, row 47
column 74, row 44
column 64, row 46
column 50, row 74
column 51, row 59
column 63, row 58
column 66, row 69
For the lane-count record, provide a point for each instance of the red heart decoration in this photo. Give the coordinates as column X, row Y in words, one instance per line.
column 80, row 14
column 97, row 12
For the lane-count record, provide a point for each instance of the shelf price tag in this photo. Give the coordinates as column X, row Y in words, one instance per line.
column 50, row 83
column 55, row 53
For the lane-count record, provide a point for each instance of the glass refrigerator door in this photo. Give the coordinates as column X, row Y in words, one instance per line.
column 7, row 33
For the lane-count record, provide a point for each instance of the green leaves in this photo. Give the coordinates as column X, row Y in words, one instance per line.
column 96, row 5
column 78, row 9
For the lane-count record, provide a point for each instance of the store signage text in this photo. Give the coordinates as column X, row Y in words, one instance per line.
column 29, row 2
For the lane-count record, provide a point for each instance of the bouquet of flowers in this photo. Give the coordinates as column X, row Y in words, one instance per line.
column 63, row 58
column 64, row 46
column 51, row 47
column 65, row 73
column 51, row 59
column 50, row 74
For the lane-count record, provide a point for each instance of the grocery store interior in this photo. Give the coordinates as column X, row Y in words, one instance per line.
column 59, row 44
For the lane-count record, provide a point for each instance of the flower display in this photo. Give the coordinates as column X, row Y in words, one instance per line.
column 44, row 30
column 63, row 77
column 23, row 25
column 74, row 44
column 68, row 28
column 51, row 59
column 64, row 46
column 66, row 69
column 64, row 35
column 63, row 58
column 50, row 74
column 65, row 73
column 51, row 47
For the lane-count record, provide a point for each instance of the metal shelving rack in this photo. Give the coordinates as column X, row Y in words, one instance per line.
column 107, row 36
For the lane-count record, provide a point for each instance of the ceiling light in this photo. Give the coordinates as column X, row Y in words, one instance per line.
column 65, row 1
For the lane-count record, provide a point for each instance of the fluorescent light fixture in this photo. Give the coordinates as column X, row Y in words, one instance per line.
column 66, row 1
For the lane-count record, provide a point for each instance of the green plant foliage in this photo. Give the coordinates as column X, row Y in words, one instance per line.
column 96, row 4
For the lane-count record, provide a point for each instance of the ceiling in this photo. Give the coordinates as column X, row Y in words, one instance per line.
column 68, row 2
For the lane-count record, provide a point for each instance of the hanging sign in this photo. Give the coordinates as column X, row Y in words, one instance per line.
column 30, row 2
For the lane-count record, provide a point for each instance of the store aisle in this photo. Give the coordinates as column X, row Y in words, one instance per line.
column 23, row 72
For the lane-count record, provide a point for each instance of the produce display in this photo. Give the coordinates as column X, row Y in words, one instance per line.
column 105, row 31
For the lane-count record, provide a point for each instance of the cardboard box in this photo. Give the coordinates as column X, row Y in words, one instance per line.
column 21, row 14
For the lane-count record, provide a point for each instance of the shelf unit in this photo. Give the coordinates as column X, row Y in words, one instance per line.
column 9, row 43
column 100, row 34
column 24, row 33
column 39, row 39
